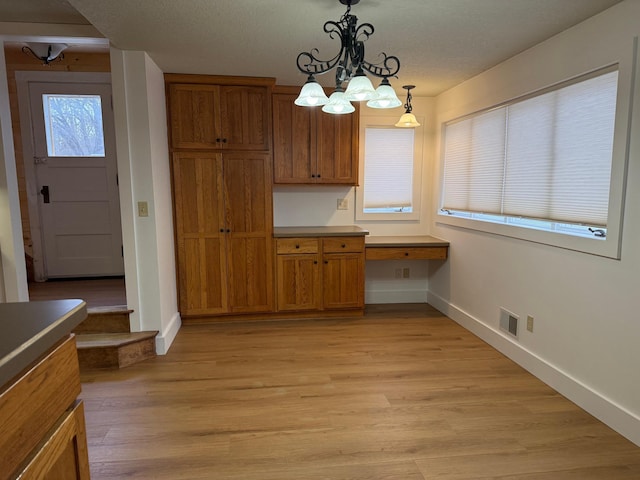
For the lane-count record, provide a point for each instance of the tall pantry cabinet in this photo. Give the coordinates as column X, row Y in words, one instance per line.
column 220, row 140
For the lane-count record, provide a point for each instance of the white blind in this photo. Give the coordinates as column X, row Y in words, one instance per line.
column 546, row 157
column 388, row 168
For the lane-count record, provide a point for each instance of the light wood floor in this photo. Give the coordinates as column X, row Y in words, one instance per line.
column 401, row 394
column 96, row 292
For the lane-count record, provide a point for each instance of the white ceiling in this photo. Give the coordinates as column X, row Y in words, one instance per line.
column 440, row 43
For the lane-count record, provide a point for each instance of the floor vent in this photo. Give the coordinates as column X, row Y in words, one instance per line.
column 509, row 322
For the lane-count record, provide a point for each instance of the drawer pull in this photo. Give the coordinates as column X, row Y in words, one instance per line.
column 406, row 254
column 344, row 246
column 297, row 246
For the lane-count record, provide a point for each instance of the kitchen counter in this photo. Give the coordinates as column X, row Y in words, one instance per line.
column 28, row 329
column 338, row 231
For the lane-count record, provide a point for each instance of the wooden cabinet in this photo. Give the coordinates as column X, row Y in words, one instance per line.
column 223, row 227
column 320, row 273
column 220, row 117
column 220, row 131
column 311, row 146
column 43, row 429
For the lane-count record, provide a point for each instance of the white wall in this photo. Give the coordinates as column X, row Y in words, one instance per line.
column 144, row 173
column 312, row 205
column 587, row 320
column 13, row 285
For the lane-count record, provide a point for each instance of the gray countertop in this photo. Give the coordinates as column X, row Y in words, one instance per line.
column 405, row 241
column 338, row 231
column 28, row 329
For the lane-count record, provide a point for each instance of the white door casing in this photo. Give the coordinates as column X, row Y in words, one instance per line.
column 76, row 231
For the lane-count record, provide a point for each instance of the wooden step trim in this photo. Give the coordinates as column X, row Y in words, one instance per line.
column 115, row 350
column 114, row 319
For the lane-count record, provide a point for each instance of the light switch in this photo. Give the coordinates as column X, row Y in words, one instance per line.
column 143, row 209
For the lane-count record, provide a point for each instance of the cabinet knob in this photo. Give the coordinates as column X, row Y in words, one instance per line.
column 326, row 262
column 315, row 262
column 406, row 254
column 318, row 175
column 344, row 246
column 228, row 231
column 222, row 230
column 297, row 246
column 218, row 139
column 313, row 175
column 224, row 140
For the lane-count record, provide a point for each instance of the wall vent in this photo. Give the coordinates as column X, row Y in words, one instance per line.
column 509, row 322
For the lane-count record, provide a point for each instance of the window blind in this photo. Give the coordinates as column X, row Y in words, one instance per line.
column 546, row 157
column 388, row 172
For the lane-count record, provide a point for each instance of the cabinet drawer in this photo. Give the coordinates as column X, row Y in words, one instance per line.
column 296, row 245
column 407, row 253
column 342, row 244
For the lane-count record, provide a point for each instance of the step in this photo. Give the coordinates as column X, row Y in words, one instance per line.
column 112, row 319
column 115, row 350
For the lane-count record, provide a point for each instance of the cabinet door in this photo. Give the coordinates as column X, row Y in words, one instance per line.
column 298, row 284
column 337, row 148
column 200, row 233
column 343, row 280
column 293, row 151
column 248, row 217
column 64, row 454
column 246, row 118
column 195, row 116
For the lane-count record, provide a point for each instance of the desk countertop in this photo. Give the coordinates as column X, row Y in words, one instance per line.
column 405, row 241
column 29, row 329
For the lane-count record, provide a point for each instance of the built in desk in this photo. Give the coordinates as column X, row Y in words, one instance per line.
column 423, row 247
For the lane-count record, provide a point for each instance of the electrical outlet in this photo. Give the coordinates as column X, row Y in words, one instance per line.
column 343, row 204
column 143, row 209
column 406, row 272
column 398, row 273
column 530, row 323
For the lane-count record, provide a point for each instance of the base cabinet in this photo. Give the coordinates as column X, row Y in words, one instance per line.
column 315, row 274
column 43, row 430
column 223, row 230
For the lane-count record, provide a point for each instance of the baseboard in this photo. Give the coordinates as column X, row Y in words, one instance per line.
column 168, row 335
column 598, row 405
column 395, row 296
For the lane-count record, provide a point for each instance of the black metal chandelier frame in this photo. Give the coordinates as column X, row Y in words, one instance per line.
column 350, row 59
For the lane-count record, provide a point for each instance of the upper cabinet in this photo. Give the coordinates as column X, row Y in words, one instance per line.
column 311, row 146
column 219, row 117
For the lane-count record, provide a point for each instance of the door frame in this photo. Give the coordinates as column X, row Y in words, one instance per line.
column 23, row 79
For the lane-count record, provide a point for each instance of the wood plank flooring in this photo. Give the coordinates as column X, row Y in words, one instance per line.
column 96, row 292
column 403, row 393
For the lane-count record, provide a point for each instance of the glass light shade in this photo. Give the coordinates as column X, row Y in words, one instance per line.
column 338, row 104
column 311, row 95
column 360, row 89
column 385, row 98
column 408, row 120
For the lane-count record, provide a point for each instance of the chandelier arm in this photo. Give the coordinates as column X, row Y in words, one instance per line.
column 389, row 67
column 310, row 64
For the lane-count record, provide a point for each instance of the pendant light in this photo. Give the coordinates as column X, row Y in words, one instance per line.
column 408, row 119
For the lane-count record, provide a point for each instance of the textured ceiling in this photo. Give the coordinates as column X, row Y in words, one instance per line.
column 440, row 43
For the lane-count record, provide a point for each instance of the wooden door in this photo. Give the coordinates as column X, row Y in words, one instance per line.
column 298, row 282
column 343, row 280
column 337, row 148
column 245, row 118
column 248, row 215
column 195, row 116
column 294, row 155
column 200, row 233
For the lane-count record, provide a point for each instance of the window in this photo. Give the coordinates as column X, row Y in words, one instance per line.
column 543, row 162
column 73, row 125
column 390, row 173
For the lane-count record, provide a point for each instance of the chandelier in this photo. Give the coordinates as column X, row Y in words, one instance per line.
column 351, row 67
